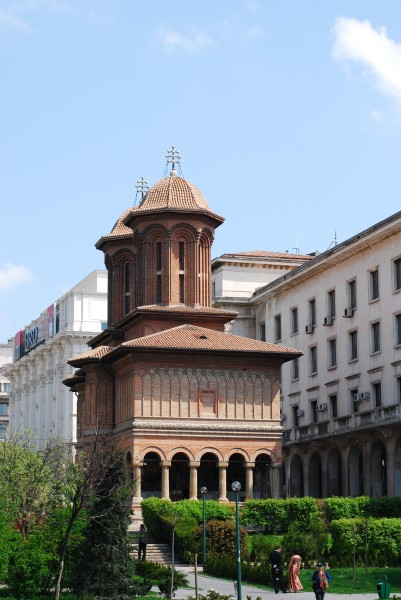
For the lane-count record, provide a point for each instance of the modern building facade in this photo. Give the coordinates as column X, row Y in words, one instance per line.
column 38, row 402
column 6, row 357
column 341, row 411
column 190, row 405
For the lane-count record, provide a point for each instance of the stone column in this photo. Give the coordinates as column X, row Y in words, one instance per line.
column 136, row 472
column 249, row 467
column 275, row 486
column 193, row 480
column 165, row 465
column 223, row 481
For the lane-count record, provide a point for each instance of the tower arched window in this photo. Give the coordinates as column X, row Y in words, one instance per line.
column 181, row 271
column 158, row 272
column 127, row 287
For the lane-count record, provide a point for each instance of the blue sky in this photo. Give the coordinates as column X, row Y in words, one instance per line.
column 287, row 115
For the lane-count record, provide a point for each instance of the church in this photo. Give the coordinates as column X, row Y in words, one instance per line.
column 190, row 405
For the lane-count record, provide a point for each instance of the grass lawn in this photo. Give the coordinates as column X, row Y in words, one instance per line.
column 343, row 581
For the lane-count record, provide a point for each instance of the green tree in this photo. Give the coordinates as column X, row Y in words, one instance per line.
column 105, row 566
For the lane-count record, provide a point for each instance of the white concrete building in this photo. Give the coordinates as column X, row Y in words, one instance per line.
column 6, row 356
column 236, row 276
column 341, row 411
column 39, row 402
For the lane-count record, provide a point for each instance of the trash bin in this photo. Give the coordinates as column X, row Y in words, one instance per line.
column 384, row 589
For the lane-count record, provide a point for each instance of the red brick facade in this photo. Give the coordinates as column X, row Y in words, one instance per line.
column 189, row 404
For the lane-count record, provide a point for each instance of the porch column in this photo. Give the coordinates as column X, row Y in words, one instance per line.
column 275, row 487
column 137, row 472
column 193, row 480
column 249, row 467
column 165, row 465
column 223, row 481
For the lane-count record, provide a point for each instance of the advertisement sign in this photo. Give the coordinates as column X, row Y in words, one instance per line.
column 36, row 334
column 17, row 345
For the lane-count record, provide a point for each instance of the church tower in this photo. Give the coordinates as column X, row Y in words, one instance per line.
column 189, row 405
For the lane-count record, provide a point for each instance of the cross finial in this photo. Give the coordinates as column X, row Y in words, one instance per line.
column 173, row 157
column 141, row 188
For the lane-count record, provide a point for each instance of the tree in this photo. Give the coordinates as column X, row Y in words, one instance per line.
column 105, row 566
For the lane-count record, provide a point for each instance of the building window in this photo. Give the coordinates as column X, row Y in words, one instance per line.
column 294, row 321
column 181, row 266
column 332, row 353
column 3, row 409
column 397, row 274
column 158, row 272
column 312, row 360
column 331, row 304
column 295, row 368
column 353, row 345
column 377, row 394
column 6, row 387
column 375, row 328
column 398, row 390
column 351, row 294
column 374, row 284
column 354, row 400
column 312, row 312
column 277, row 328
column 127, row 287
column 295, row 417
column 262, row 332
column 333, row 405
column 397, row 330
column 57, row 318
column 313, row 411
column 3, row 430
column 213, row 289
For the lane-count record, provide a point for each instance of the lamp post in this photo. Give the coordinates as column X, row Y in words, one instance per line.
column 204, row 492
column 236, row 487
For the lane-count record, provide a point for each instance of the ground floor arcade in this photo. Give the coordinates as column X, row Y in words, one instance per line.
column 368, row 464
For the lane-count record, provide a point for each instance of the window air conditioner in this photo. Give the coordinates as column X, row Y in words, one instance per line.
column 365, row 396
column 321, row 407
column 327, row 321
column 300, row 413
column 357, row 397
column 348, row 312
column 309, row 328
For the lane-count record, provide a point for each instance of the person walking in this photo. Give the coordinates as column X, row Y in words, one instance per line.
column 320, row 581
column 294, row 567
column 142, row 541
column 275, row 560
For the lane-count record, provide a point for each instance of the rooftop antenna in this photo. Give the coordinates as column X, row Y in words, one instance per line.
column 141, row 189
column 296, row 250
column 334, row 242
column 173, row 158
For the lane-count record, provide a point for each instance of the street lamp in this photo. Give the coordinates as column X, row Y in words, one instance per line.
column 236, row 487
column 204, row 492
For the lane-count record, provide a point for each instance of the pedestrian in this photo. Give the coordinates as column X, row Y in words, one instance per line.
column 320, row 581
column 294, row 567
column 275, row 560
column 25, row 526
column 142, row 541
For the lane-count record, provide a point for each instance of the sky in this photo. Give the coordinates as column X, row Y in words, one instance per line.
column 286, row 113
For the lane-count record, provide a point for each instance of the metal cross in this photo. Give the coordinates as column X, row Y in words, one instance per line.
column 173, row 156
column 141, row 187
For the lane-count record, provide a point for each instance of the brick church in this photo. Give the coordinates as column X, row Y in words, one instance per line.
column 190, row 405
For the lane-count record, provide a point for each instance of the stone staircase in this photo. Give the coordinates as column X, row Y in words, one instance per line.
column 156, row 552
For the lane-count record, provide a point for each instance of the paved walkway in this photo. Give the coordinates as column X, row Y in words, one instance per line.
column 222, row 586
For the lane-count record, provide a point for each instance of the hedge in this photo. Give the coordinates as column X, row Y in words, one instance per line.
column 382, row 538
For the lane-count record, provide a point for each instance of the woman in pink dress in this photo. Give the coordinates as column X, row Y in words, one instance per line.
column 294, row 567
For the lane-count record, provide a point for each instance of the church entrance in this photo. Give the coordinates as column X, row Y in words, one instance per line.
column 179, row 477
column 262, row 487
column 208, row 475
column 151, row 475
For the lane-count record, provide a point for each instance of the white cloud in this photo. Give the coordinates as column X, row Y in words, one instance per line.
column 11, row 275
column 381, row 56
column 195, row 41
column 254, row 32
column 8, row 18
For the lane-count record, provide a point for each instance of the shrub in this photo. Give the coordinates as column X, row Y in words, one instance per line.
column 221, row 539
column 311, row 543
column 381, row 538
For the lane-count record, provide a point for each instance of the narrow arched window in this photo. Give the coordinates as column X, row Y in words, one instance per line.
column 158, row 272
column 181, row 270
column 127, row 287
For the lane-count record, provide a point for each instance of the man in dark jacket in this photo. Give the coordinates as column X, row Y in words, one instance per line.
column 275, row 560
column 142, row 541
